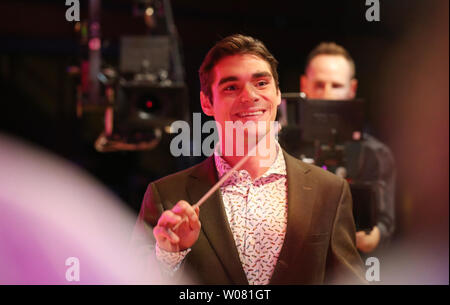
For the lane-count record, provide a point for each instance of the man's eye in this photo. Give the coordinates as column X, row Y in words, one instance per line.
column 230, row 88
column 337, row 86
column 319, row 85
column 261, row 83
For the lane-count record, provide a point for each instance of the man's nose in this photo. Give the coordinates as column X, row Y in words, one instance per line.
column 248, row 94
column 328, row 93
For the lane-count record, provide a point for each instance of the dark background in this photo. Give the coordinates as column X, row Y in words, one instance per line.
column 37, row 44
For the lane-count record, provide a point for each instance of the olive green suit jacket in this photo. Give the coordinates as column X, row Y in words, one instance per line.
column 319, row 245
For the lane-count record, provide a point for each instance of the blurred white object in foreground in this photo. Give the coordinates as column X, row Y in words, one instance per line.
column 51, row 212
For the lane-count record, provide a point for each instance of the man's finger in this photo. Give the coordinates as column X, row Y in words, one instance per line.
column 183, row 208
column 162, row 233
column 194, row 222
column 169, row 219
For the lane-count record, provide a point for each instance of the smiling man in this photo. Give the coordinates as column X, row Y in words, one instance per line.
column 244, row 91
column 284, row 223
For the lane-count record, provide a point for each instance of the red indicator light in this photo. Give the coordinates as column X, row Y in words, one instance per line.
column 95, row 44
column 149, row 104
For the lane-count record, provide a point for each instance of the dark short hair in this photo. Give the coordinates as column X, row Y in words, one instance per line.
column 233, row 45
column 330, row 48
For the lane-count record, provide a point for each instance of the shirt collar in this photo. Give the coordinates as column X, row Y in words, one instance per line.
column 277, row 167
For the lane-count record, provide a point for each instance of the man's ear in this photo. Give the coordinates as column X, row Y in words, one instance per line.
column 206, row 104
column 353, row 87
column 279, row 97
column 303, row 83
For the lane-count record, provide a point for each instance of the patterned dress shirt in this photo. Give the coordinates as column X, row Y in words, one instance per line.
column 257, row 215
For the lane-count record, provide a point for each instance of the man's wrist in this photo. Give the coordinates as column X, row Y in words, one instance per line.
column 171, row 260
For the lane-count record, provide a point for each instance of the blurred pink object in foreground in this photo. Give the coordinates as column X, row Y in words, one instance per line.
column 50, row 211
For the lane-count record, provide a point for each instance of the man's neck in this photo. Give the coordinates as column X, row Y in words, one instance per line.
column 259, row 162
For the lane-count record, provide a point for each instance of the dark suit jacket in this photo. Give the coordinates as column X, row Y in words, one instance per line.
column 319, row 245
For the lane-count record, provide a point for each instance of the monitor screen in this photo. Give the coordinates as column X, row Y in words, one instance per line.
column 331, row 120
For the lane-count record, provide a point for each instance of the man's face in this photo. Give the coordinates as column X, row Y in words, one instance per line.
column 329, row 77
column 243, row 90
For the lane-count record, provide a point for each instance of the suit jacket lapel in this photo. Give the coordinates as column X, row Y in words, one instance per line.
column 301, row 196
column 214, row 221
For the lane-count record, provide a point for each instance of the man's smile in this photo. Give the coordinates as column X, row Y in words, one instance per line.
column 254, row 113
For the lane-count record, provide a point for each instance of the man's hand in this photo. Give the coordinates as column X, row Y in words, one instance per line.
column 368, row 242
column 185, row 235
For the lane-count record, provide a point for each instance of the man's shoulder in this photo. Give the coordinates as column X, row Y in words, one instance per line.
column 377, row 150
column 179, row 178
column 375, row 144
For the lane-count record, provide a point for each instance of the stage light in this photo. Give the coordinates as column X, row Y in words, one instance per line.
column 95, row 44
column 149, row 11
column 356, row 135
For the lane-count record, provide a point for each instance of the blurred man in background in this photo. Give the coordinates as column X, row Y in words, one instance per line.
column 330, row 74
